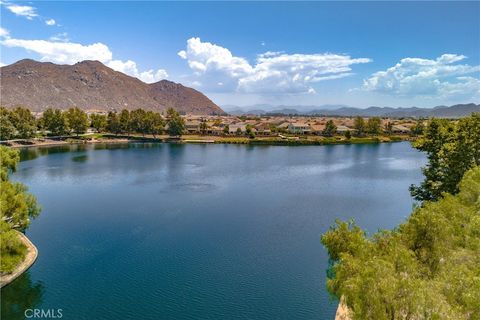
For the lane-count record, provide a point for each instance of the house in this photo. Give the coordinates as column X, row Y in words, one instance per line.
column 192, row 126
column 317, row 128
column 398, row 128
column 233, row 128
column 263, row 129
column 299, row 128
column 343, row 129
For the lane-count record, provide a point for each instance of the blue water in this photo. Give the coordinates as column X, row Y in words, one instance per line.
column 166, row 231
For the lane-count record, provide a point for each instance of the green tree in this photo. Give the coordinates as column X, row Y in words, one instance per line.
column 7, row 129
column 427, row 268
column 24, row 123
column 348, row 135
column 417, row 129
column 55, row 121
column 452, row 149
column 330, row 129
column 139, row 122
column 226, row 129
column 17, row 206
column 98, row 122
column 77, row 120
column 373, row 125
column 249, row 131
column 113, row 123
column 359, row 126
column 203, row 127
column 125, row 123
column 176, row 125
column 155, row 123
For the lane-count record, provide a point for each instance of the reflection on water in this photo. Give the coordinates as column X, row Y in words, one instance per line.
column 20, row 295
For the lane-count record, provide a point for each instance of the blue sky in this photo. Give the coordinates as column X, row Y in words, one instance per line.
column 291, row 53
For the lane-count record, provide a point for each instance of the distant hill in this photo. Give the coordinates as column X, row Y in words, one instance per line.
column 455, row 111
column 91, row 85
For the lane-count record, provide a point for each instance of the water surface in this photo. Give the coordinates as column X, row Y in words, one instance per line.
column 165, row 231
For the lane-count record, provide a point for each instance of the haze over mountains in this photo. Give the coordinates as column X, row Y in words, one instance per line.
column 455, row 111
column 90, row 85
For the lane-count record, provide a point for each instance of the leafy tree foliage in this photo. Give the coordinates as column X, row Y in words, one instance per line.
column 452, row 149
column 17, row 206
column 98, row 122
column 373, row 125
column 24, row 123
column 125, row 122
column 113, row 123
column 77, row 120
column 348, row 135
column 417, row 129
column 427, row 268
column 359, row 125
column 55, row 121
column 388, row 128
column 176, row 125
column 203, row 127
column 7, row 129
column 330, row 129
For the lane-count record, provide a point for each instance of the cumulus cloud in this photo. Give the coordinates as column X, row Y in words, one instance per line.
column 23, row 11
column 273, row 72
column 70, row 53
column 4, row 33
column 441, row 77
column 50, row 22
column 130, row 67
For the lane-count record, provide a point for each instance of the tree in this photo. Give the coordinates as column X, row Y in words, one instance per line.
column 427, row 268
column 77, row 120
column 7, row 129
column 359, row 125
column 113, row 123
column 238, row 131
column 125, row 124
column 203, row 127
column 17, row 206
column 388, row 128
column 226, row 129
column 330, row 129
column 138, row 121
column 249, row 131
column 373, row 126
column 155, row 123
column 451, row 150
column 348, row 135
column 417, row 129
column 24, row 123
column 55, row 121
column 98, row 122
column 176, row 125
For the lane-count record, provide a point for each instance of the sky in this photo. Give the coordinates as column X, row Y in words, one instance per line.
column 361, row 54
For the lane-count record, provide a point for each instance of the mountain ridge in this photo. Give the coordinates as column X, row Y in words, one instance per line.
column 454, row 111
column 91, row 85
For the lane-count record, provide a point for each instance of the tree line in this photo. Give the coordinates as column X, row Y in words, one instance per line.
column 17, row 208
column 20, row 123
column 428, row 267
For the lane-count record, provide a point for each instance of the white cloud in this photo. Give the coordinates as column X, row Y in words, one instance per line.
column 274, row 72
column 50, row 22
column 130, row 67
column 24, row 11
column 60, row 37
column 70, row 53
column 425, row 77
column 4, row 33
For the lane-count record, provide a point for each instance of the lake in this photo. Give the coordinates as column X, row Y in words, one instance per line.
column 170, row 231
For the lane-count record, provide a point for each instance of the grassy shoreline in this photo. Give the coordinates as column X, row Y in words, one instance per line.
column 266, row 140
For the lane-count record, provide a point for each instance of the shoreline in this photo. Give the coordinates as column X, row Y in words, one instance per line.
column 30, row 258
column 194, row 139
column 342, row 310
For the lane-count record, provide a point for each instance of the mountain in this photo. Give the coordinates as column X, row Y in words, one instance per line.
column 90, row 85
column 455, row 111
